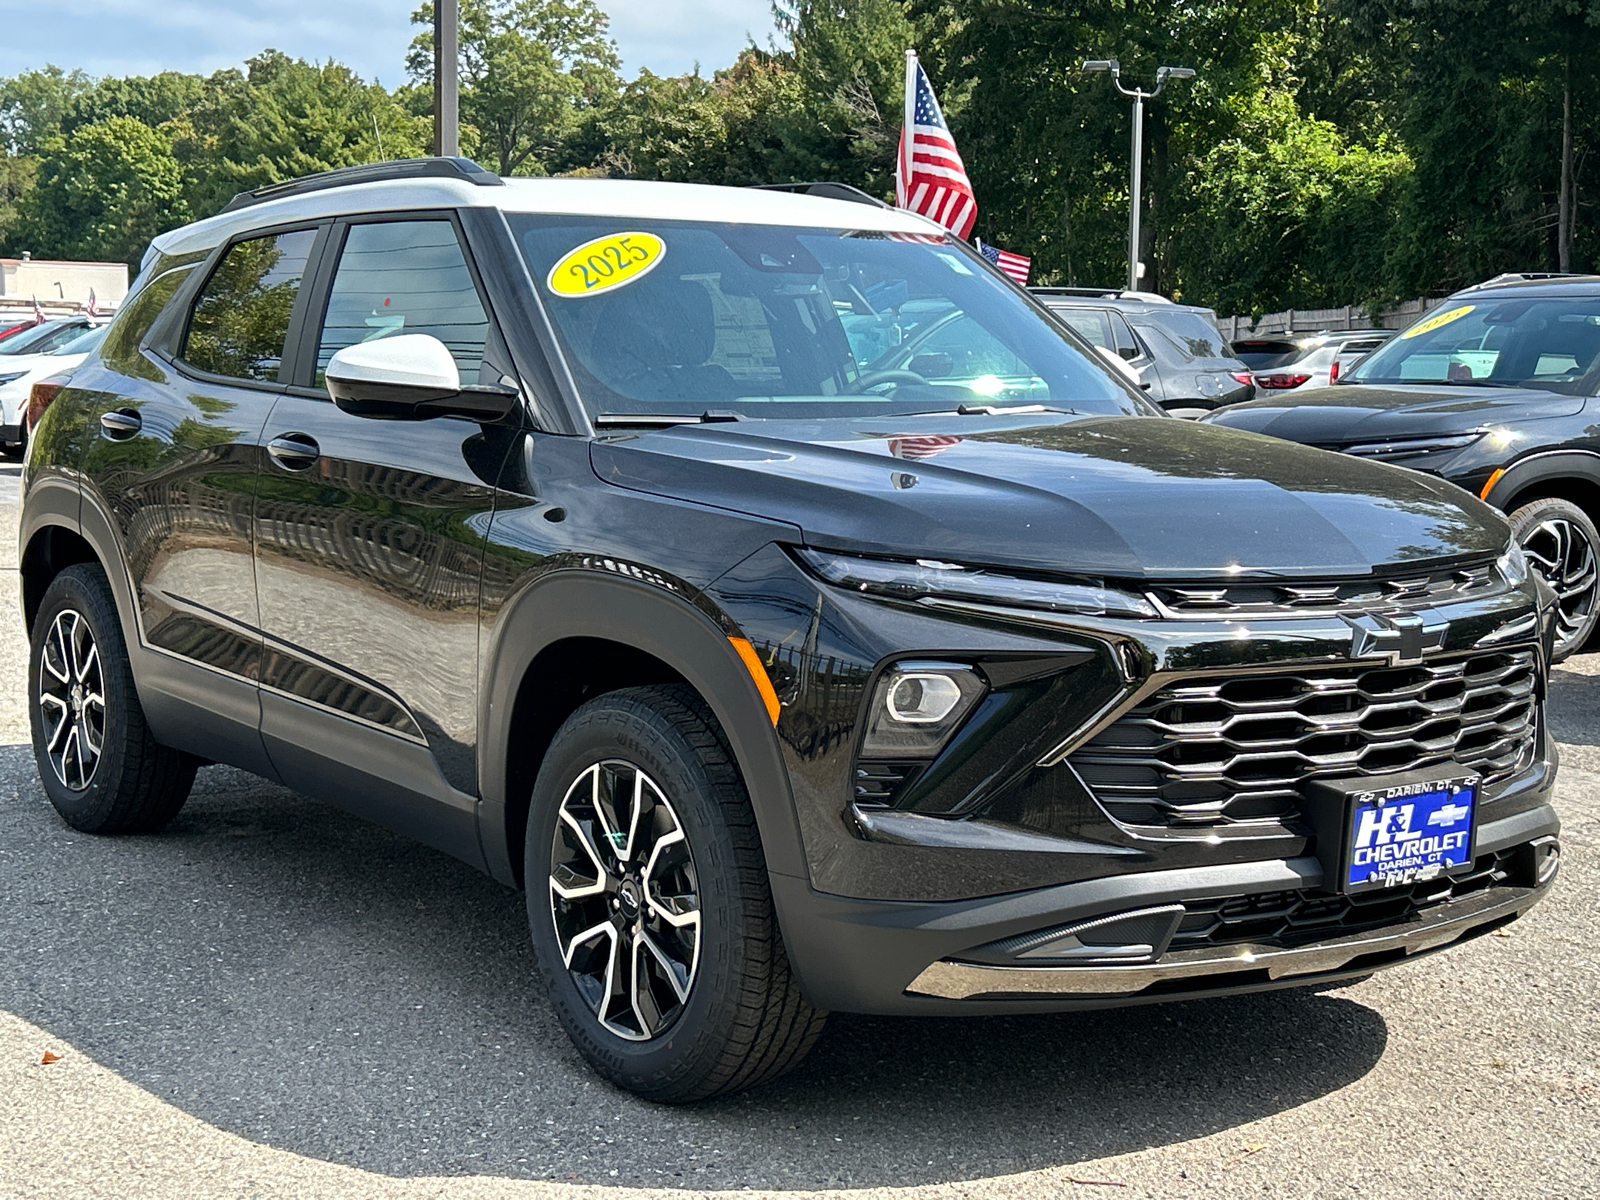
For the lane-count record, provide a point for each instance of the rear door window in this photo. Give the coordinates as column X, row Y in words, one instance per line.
column 240, row 320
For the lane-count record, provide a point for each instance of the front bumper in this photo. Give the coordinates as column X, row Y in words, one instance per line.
column 910, row 958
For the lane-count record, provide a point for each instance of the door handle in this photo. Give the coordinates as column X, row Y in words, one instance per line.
column 293, row 451
column 120, row 425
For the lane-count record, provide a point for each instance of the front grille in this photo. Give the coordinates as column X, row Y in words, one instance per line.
column 1297, row 918
column 1289, row 598
column 1222, row 751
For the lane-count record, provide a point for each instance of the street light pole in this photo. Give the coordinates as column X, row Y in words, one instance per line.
column 1135, row 267
column 446, row 93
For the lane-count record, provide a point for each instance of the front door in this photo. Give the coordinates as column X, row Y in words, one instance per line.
column 368, row 553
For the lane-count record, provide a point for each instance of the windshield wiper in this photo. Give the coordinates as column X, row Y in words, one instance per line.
column 664, row 420
column 997, row 410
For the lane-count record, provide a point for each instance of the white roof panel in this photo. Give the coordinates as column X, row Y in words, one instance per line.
column 626, row 198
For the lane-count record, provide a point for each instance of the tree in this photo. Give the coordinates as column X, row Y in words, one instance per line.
column 34, row 104
column 103, row 192
column 528, row 69
column 282, row 118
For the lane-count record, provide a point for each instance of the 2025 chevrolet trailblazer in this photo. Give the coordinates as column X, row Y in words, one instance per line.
column 575, row 528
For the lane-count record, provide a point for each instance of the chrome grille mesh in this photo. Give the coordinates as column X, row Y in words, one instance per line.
column 1222, row 751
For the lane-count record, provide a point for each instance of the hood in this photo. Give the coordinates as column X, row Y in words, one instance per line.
column 1126, row 497
column 1344, row 414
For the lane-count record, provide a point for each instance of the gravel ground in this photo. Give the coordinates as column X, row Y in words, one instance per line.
column 273, row 999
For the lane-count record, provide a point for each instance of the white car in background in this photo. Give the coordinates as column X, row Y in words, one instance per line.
column 18, row 374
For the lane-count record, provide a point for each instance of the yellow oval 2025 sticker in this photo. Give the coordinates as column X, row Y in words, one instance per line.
column 1437, row 321
column 606, row 263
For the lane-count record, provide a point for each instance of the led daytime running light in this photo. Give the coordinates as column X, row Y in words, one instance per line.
column 929, row 579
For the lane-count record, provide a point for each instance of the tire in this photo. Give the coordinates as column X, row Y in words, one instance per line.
column 716, row 1008
column 1562, row 544
column 99, row 765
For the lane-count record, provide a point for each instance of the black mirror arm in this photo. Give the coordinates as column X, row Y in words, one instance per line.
column 486, row 402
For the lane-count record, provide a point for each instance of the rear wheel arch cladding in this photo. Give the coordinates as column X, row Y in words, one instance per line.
column 578, row 604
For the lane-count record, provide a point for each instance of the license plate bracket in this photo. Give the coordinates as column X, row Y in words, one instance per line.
column 1389, row 831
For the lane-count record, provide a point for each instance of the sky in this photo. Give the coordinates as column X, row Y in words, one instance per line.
column 140, row 37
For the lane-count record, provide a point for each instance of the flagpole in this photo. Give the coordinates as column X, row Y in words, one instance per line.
column 902, row 168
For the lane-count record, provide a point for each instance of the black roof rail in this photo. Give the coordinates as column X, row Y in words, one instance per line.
column 378, row 172
column 826, row 189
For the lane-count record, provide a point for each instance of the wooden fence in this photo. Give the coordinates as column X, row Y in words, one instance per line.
column 1314, row 320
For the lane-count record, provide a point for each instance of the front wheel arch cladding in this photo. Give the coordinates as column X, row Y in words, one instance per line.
column 581, row 604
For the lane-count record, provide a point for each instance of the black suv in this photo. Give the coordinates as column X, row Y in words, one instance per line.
column 1492, row 391
column 554, row 523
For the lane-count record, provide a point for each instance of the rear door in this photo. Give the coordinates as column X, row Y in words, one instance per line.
column 170, row 477
column 369, row 544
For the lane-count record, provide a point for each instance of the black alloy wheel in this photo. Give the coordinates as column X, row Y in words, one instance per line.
column 649, row 903
column 72, row 700
column 624, row 900
column 98, row 762
column 1562, row 544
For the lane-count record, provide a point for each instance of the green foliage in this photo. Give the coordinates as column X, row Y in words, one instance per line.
column 1329, row 152
column 1285, row 213
column 528, row 70
column 103, row 192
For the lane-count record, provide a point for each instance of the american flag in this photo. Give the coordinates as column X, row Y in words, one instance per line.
column 931, row 179
column 1014, row 265
column 93, row 307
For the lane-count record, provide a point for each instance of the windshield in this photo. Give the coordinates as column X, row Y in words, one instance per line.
column 677, row 319
column 1543, row 343
column 83, row 343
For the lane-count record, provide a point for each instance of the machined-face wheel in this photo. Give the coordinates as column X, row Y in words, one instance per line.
column 625, row 900
column 1562, row 552
column 72, row 702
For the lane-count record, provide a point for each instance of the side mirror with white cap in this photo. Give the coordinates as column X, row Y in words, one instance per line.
column 410, row 377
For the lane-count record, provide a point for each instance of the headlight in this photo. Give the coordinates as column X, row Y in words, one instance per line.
column 927, row 579
column 1413, row 447
column 917, row 706
column 1513, row 565
column 11, row 377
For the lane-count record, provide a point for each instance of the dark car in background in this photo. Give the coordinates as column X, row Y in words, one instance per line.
column 1181, row 357
column 1494, row 390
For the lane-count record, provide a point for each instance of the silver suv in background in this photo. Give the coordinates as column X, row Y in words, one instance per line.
column 1285, row 361
column 1183, row 361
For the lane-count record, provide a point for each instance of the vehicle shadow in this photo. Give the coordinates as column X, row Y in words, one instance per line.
column 306, row 980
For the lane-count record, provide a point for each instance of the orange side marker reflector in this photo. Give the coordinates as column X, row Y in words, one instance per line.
column 1493, row 479
column 752, row 663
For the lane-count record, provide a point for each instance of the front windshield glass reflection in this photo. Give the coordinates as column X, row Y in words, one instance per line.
column 769, row 321
column 1548, row 343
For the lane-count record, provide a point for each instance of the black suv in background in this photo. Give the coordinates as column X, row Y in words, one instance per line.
column 1495, row 391
column 1180, row 356
column 558, row 524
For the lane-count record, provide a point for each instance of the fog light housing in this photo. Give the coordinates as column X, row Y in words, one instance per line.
column 916, row 706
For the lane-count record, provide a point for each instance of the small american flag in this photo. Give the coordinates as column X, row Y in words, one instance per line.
column 38, row 313
column 1014, row 265
column 931, row 178
column 93, row 307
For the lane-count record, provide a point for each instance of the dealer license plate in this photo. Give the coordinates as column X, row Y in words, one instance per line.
column 1398, row 830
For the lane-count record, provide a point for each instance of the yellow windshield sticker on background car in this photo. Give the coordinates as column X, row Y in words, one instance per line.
column 1437, row 321
column 606, row 263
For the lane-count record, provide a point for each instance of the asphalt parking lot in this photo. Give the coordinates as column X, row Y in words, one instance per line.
column 272, row 998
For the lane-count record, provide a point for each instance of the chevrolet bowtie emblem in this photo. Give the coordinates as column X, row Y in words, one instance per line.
column 1402, row 638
